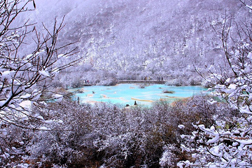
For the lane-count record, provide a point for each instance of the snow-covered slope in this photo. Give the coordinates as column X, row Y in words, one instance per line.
column 150, row 36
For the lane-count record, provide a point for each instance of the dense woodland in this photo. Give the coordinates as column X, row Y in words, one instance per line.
column 49, row 46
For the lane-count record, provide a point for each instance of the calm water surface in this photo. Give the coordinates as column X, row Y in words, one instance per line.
column 129, row 93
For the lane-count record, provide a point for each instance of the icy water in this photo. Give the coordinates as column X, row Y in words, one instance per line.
column 129, row 93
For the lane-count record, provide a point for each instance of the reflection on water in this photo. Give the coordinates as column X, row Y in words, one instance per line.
column 129, row 93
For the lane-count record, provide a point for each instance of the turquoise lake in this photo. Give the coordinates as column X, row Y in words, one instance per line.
column 129, row 93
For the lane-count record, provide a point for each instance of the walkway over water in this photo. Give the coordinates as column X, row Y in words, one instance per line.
column 142, row 81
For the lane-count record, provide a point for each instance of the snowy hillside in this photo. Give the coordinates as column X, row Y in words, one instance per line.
column 142, row 37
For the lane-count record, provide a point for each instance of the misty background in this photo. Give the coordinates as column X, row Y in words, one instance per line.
column 133, row 39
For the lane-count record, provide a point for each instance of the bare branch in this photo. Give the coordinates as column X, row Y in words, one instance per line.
column 20, row 74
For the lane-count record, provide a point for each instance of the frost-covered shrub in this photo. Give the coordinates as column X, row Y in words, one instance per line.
column 226, row 142
column 64, row 136
column 212, row 81
column 77, row 83
column 195, row 81
column 75, row 135
column 108, row 82
column 182, row 118
column 207, row 84
column 174, row 82
column 13, row 140
column 168, row 158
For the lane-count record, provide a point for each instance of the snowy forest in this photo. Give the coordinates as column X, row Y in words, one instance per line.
column 49, row 46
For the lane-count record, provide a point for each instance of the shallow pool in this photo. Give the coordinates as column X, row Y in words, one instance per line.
column 131, row 93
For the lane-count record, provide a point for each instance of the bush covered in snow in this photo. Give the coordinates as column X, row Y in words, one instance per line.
column 227, row 141
column 74, row 135
column 108, row 82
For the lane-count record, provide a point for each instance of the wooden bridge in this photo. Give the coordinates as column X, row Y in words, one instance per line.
column 142, row 81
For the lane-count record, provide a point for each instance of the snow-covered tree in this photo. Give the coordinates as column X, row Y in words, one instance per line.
column 29, row 59
column 23, row 76
column 228, row 142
